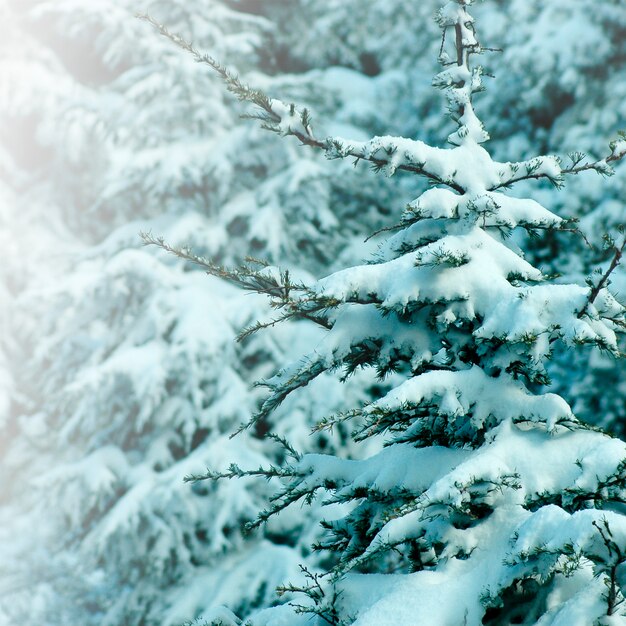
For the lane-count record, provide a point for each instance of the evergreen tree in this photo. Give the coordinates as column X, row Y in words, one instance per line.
column 490, row 502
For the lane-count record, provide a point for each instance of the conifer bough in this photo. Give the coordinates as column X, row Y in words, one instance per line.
column 488, row 501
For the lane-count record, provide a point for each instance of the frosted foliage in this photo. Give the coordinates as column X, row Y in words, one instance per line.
column 490, row 502
column 574, row 96
column 129, row 375
column 193, row 158
column 560, row 88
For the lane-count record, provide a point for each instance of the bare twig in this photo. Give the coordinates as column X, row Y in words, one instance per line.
column 614, row 596
column 593, row 294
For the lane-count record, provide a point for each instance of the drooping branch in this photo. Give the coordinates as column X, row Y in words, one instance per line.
column 614, row 597
column 618, row 252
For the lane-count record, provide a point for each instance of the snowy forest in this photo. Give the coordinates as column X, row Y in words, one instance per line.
column 312, row 313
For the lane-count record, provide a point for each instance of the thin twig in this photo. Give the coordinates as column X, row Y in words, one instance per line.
column 598, row 166
column 593, row 294
column 272, row 119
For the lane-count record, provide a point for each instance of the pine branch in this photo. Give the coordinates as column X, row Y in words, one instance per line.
column 289, row 120
column 245, row 276
column 234, row 471
column 291, row 451
column 601, row 166
column 614, row 597
column 282, row 501
column 317, row 594
column 328, row 423
column 233, row 84
column 602, row 283
column 309, row 305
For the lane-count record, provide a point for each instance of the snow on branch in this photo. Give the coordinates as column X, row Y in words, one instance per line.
column 550, row 167
column 290, row 120
column 465, row 167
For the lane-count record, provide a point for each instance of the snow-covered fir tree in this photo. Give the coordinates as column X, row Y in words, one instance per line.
column 490, row 503
column 563, row 93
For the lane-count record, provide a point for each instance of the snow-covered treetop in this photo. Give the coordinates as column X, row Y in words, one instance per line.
column 460, row 81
